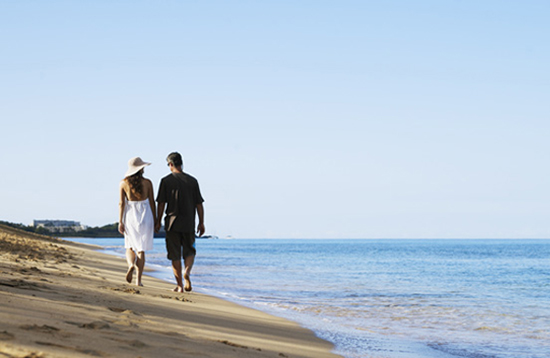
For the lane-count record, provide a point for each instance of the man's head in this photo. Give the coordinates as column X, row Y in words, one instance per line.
column 174, row 160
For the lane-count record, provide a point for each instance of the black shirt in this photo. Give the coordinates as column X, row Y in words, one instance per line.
column 181, row 193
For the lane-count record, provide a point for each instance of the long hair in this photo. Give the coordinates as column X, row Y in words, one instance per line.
column 136, row 186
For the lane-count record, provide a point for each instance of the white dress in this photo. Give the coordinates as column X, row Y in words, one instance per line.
column 139, row 225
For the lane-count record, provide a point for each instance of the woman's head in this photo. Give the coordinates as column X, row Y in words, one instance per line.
column 135, row 182
column 134, row 175
column 135, row 165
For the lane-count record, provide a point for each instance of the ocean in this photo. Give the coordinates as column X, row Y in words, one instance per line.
column 385, row 298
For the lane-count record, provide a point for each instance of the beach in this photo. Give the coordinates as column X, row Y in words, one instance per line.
column 65, row 299
column 413, row 298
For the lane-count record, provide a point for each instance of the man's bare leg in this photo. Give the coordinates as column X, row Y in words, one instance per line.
column 131, row 260
column 140, row 264
column 189, row 261
column 176, row 267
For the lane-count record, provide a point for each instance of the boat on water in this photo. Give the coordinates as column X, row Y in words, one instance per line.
column 209, row 237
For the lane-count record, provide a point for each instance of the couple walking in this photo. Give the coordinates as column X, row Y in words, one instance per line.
column 180, row 197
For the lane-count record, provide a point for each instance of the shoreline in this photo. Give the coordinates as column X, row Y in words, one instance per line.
column 65, row 299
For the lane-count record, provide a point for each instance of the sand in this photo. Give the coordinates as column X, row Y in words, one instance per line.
column 62, row 299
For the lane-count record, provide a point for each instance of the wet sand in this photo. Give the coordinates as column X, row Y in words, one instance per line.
column 63, row 299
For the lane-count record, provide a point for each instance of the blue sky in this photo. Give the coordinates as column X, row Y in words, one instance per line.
column 348, row 119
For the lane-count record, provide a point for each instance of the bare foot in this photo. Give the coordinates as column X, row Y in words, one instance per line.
column 188, row 287
column 139, row 284
column 129, row 274
column 178, row 289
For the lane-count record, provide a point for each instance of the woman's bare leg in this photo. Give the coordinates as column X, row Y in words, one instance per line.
column 131, row 260
column 140, row 264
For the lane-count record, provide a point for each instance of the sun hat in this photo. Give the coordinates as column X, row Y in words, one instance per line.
column 135, row 165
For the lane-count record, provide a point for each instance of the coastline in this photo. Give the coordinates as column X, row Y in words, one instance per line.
column 65, row 299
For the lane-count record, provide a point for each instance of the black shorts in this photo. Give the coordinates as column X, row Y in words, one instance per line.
column 180, row 244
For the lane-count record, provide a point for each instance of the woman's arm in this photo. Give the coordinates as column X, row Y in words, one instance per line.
column 121, row 206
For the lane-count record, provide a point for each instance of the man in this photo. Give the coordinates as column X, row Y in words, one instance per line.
column 180, row 194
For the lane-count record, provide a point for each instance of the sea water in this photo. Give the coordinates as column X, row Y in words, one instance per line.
column 386, row 298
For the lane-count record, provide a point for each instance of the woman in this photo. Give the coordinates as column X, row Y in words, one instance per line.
column 136, row 217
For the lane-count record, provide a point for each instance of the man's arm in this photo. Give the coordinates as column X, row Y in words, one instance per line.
column 200, row 228
column 160, row 213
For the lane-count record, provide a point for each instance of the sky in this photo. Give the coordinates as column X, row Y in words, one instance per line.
column 300, row 119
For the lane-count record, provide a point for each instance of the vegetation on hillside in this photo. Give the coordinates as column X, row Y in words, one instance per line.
column 109, row 230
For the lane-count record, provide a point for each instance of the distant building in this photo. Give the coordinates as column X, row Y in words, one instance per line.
column 58, row 225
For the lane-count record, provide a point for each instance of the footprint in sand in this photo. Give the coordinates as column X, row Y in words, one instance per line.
column 137, row 344
column 35, row 355
column 30, row 271
column 126, row 318
column 177, row 298
column 124, row 289
column 52, row 345
column 79, row 350
column 43, row 329
column 123, row 311
column 132, row 343
column 95, row 325
column 130, row 312
column 6, row 336
column 231, row 344
column 21, row 284
column 116, row 309
column 125, row 323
